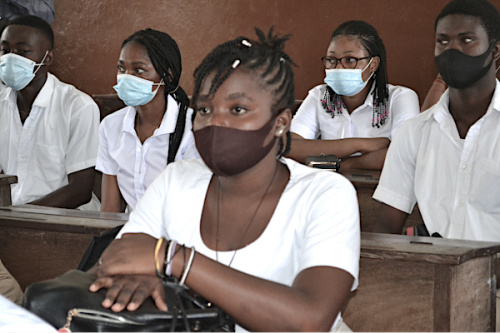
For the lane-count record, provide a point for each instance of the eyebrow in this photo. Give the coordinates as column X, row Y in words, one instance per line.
column 120, row 61
column 238, row 95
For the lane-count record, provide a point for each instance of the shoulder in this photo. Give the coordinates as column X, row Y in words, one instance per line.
column 397, row 91
column 317, row 179
column 69, row 94
column 317, row 91
column 188, row 170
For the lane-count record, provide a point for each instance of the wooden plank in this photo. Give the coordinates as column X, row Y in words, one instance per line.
column 39, row 243
column 5, row 193
column 423, row 284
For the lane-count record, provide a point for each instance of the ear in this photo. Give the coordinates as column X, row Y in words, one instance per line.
column 49, row 59
column 283, row 122
column 496, row 51
column 375, row 64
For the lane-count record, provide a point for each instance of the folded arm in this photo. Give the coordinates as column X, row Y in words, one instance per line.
column 77, row 192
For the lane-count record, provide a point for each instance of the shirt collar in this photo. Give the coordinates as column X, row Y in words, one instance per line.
column 43, row 98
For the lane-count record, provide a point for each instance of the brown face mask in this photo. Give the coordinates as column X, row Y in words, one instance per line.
column 229, row 151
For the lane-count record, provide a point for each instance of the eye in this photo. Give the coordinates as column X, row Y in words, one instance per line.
column 239, row 110
column 351, row 60
column 468, row 40
column 23, row 52
column 203, row 110
column 121, row 69
column 139, row 70
column 331, row 60
column 442, row 41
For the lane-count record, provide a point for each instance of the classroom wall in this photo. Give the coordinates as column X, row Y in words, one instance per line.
column 89, row 34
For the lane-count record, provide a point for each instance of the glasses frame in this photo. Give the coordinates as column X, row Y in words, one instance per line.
column 340, row 60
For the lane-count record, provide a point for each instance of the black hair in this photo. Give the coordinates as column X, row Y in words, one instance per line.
column 265, row 57
column 371, row 41
column 484, row 10
column 35, row 22
column 166, row 59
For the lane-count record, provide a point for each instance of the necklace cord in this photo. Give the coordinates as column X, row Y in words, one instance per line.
column 249, row 223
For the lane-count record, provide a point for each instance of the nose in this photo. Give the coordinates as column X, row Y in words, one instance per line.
column 217, row 118
column 339, row 63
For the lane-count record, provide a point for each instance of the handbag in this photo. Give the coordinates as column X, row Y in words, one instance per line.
column 66, row 303
column 324, row 162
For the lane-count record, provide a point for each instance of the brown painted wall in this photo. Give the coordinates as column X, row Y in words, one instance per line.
column 89, row 34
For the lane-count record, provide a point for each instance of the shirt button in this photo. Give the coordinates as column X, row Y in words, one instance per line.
column 464, row 166
column 459, row 204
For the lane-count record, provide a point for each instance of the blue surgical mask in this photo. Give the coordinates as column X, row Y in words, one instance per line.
column 134, row 91
column 17, row 71
column 346, row 82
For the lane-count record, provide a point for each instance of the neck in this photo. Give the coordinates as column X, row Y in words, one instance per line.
column 26, row 96
column 469, row 105
column 152, row 113
column 353, row 102
column 251, row 182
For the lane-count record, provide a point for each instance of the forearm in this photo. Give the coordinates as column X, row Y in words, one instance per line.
column 68, row 196
column 370, row 161
column 390, row 220
column 262, row 305
column 301, row 148
column 76, row 193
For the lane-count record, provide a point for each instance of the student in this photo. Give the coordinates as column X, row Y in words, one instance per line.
column 138, row 141
column 272, row 242
column 447, row 158
column 49, row 135
column 356, row 102
column 14, row 318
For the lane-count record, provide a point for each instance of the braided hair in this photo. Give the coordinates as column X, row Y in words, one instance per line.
column 265, row 57
column 372, row 42
column 166, row 59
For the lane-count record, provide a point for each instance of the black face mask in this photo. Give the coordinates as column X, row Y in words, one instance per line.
column 230, row 151
column 459, row 70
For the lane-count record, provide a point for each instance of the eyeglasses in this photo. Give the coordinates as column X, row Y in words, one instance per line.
column 347, row 62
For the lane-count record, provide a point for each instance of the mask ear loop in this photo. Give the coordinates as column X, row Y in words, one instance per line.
column 496, row 70
column 41, row 63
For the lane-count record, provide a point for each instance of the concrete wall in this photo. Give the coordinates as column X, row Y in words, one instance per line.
column 89, row 34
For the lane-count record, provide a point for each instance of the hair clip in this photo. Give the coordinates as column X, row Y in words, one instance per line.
column 246, row 43
column 235, row 63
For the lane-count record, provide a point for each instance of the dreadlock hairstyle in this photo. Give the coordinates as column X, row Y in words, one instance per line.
column 489, row 15
column 265, row 57
column 166, row 59
column 366, row 33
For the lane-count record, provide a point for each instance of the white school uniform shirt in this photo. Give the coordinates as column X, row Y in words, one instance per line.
column 14, row 318
column 312, row 121
column 59, row 137
column 136, row 165
column 316, row 221
column 455, row 181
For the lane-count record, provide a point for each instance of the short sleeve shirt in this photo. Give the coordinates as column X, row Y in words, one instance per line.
column 312, row 121
column 455, row 181
column 59, row 137
column 136, row 165
column 316, row 221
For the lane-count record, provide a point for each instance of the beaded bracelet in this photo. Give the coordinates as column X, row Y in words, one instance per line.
column 188, row 267
column 157, row 263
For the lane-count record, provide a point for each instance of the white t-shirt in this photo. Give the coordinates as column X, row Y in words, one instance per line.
column 136, row 165
column 455, row 181
column 312, row 121
column 316, row 221
column 14, row 318
column 59, row 137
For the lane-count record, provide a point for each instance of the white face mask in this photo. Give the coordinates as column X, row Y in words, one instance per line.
column 346, row 82
column 17, row 71
column 134, row 91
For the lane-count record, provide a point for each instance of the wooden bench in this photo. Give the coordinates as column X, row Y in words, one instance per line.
column 5, row 193
column 365, row 182
column 39, row 243
column 423, row 284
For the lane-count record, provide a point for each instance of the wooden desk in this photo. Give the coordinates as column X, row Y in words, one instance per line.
column 423, row 284
column 39, row 243
column 5, row 194
column 365, row 182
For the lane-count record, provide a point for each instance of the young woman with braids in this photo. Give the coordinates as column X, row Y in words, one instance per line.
column 138, row 141
column 356, row 102
column 272, row 242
